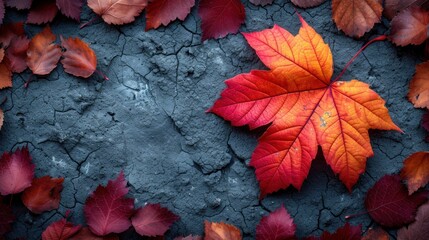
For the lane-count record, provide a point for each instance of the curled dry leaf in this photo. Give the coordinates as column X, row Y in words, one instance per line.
column 43, row 54
column 71, row 9
column 6, row 218
column 418, row 93
column 86, row 234
column 162, row 12
column 60, row 230
column 43, row 195
column 153, row 220
column 42, row 12
column 416, row 171
column 17, row 54
column 79, row 59
column 410, row 26
column 16, row 171
column 418, row 230
column 19, row 4
column 356, row 17
column 278, row 225
column 389, row 204
column 220, row 17
column 261, row 2
column 118, row 12
column 307, row 3
column 221, row 231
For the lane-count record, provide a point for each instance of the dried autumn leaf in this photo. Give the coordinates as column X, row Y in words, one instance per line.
column 389, row 204
column 17, row 54
column 165, row 11
column 419, row 86
column 79, row 59
column 60, row 230
column 410, row 26
column 348, row 232
column 10, row 31
column 221, row 231
column 221, row 17
column 6, row 218
column 393, row 7
column 43, row 54
column 261, row 2
column 153, row 220
column 43, row 195
column 71, row 9
column 418, row 230
column 376, row 234
column 42, row 12
column 356, row 17
column 19, row 4
column 107, row 210
column 307, row 3
column 118, row 12
column 5, row 74
column 416, row 171
column 86, row 234
column 305, row 110
column 278, row 225
column 16, row 171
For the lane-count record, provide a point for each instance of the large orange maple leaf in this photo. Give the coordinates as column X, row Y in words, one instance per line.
column 305, row 109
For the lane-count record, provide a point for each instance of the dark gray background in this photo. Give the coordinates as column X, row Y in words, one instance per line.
column 149, row 120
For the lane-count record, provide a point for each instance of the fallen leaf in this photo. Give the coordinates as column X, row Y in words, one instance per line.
column 389, row 204
column 17, row 54
column 419, row 86
column 165, row 11
column 60, row 230
column 79, row 59
column 221, row 231
column 118, row 12
column 278, row 225
column 2, row 11
column 261, row 2
column 71, row 9
column 107, row 210
column 416, row 171
column 190, row 237
column 43, row 195
column 86, row 234
column 19, row 4
column 356, row 17
column 221, row 17
column 393, row 7
column 307, row 3
column 10, row 31
column 305, row 109
column 348, row 232
column 5, row 74
column 418, row 230
column 410, row 26
column 376, row 234
column 42, row 12
column 153, row 220
column 43, row 54
column 16, row 171
column 6, row 218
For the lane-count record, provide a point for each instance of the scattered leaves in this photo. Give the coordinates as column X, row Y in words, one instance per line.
column 418, row 230
column 79, row 59
column 410, row 26
column 419, row 86
column 165, row 11
column 43, row 195
column 60, row 230
column 416, row 171
column 278, row 225
column 153, row 220
column 118, row 12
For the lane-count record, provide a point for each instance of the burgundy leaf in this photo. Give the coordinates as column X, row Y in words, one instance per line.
column 278, row 225
column 418, row 230
column 42, row 12
column 60, row 230
column 17, row 54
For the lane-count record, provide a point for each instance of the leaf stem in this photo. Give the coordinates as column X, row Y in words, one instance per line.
column 355, row 215
column 88, row 23
column 102, row 75
column 379, row 38
column 28, row 81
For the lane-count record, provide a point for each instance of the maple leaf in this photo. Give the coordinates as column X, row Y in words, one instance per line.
column 190, row 237
column 348, row 232
column 410, row 26
column 10, row 31
column 43, row 54
column 416, row 171
column 79, row 59
column 165, row 11
column 356, row 17
column 5, row 74
column 17, row 54
column 16, row 171
column 60, row 230
column 86, row 234
column 261, row 2
column 153, row 220
column 389, row 204
column 418, row 230
column 419, row 86
column 305, row 110
column 118, row 12
column 107, row 210
column 307, row 3
column 2, row 11
column 278, row 225
column 220, row 17
column 42, row 12
column 393, row 7
column 376, row 234
column 221, row 231
column 43, row 195
column 6, row 218
column 71, row 9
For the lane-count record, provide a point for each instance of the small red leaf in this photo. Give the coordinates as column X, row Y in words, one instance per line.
column 71, row 9
column 86, row 234
column 346, row 232
column 261, row 2
column 221, row 231
column 43, row 195
column 418, row 230
column 16, row 171
column 107, row 210
column 389, row 204
column 307, row 3
column 278, row 225
column 153, row 220
column 10, row 31
column 17, row 54
column 6, row 218
column 410, row 26
column 220, row 17
column 60, row 230
column 19, row 4
column 165, row 11
column 42, row 12
column 79, row 59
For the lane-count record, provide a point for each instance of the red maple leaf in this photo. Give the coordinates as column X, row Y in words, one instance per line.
column 162, row 12
column 16, row 171
column 43, row 195
column 60, row 230
column 278, row 225
column 107, row 210
column 153, row 220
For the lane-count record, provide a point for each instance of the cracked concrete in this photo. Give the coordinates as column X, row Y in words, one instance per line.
column 149, row 120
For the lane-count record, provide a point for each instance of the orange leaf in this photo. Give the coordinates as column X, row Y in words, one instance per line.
column 43, row 195
column 5, row 74
column 356, row 17
column 305, row 109
column 79, row 59
column 118, row 11
column 419, row 86
column 42, row 54
column 221, row 231
column 416, row 171
column 410, row 26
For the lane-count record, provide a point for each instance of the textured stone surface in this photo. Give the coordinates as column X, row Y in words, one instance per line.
column 150, row 121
